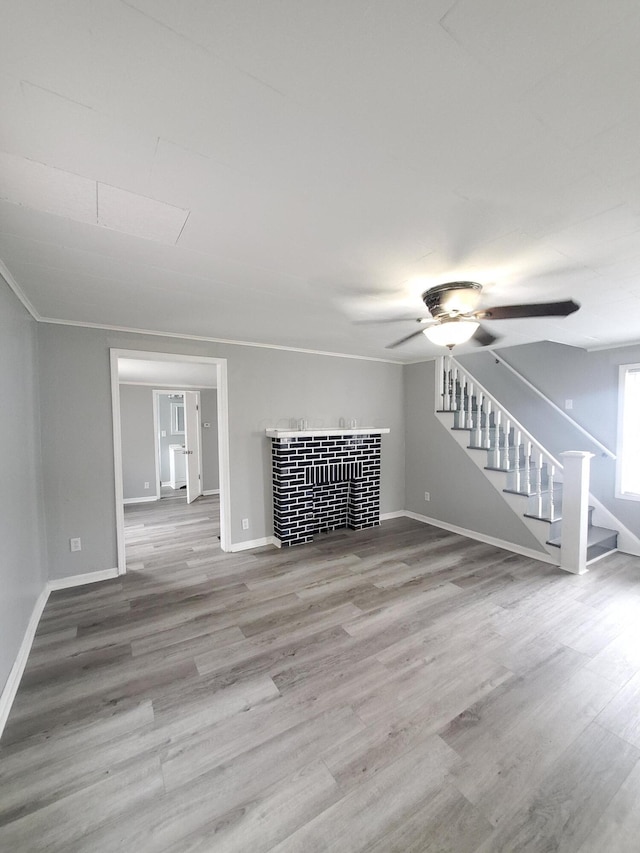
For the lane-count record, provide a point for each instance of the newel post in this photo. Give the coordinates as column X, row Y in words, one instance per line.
column 575, row 510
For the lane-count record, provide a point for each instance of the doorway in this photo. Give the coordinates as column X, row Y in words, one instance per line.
column 179, row 421
column 211, row 373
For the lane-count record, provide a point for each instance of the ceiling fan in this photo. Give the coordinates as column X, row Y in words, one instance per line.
column 455, row 319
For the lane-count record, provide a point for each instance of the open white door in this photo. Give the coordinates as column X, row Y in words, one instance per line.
column 192, row 444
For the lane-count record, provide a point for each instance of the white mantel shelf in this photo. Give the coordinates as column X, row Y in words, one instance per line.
column 310, row 433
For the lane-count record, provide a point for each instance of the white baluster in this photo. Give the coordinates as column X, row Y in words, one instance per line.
column 480, row 411
column 465, row 400
column 498, row 423
column 517, row 460
column 487, row 427
column 539, row 486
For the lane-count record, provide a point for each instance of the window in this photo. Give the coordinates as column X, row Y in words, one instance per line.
column 628, row 471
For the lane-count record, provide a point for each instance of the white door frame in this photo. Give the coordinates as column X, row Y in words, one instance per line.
column 220, row 365
column 156, row 439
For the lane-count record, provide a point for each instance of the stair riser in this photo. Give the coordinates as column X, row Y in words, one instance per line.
column 594, row 552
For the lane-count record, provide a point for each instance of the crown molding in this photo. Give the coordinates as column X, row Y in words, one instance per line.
column 18, row 291
column 186, row 337
column 624, row 345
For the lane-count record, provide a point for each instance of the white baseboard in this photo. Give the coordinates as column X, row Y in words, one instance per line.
column 488, row 540
column 211, row 492
column 255, row 543
column 140, row 500
column 13, row 681
column 80, row 580
column 387, row 516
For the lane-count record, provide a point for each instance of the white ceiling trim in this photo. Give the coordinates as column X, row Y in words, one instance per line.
column 632, row 343
column 13, row 284
column 186, row 337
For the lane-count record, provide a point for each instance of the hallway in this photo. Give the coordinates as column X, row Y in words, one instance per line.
column 158, row 534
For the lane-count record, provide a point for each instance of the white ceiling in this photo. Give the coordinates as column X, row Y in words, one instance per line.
column 272, row 170
column 176, row 375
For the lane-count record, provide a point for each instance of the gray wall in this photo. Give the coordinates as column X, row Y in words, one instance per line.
column 561, row 372
column 460, row 493
column 138, row 445
column 22, row 530
column 210, row 461
column 267, row 387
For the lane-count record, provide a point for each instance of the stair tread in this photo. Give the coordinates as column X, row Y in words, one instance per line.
column 598, row 534
column 542, row 517
column 595, row 536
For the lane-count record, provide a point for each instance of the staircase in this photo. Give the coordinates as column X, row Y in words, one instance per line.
column 600, row 540
column 529, row 477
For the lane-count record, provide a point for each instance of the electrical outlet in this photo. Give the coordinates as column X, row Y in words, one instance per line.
column 163, row 433
column 75, row 544
column 427, row 496
column 146, row 485
column 568, row 404
column 245, row 523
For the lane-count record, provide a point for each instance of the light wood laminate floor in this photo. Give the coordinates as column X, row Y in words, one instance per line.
column 400, row 689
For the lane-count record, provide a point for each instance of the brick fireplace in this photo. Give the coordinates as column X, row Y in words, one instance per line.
column 323, row 481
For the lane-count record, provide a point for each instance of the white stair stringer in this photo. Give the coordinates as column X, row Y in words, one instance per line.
column 517, row 503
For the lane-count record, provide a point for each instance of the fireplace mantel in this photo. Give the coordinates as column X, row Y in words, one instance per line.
column 320, row 431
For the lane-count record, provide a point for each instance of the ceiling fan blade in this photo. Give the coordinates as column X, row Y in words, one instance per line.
column 538, row 309
column 404, row 340
column 483, row 337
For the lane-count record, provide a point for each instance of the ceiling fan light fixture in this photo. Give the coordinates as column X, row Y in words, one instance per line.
column 461, row 301
column 451, row 333
column 452, row 298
